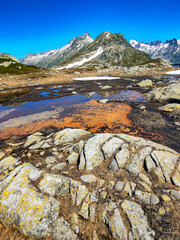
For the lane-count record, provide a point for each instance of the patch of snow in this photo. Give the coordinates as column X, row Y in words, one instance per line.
column 178, row 41
column 97, row 53
column 176, row 72
column 96, row 78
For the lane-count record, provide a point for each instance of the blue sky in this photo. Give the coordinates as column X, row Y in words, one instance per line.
column 39, row 25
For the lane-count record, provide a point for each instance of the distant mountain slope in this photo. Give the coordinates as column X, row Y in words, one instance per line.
column 54, row 57
column 9, row 64
column 170, row 50
column 107, row 50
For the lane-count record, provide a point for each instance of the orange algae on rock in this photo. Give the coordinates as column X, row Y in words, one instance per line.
column 92, row 116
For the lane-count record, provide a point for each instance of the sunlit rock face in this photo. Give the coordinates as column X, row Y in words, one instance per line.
column 72, row 184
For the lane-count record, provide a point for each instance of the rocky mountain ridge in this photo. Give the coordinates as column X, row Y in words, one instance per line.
column 170, row 50
column 107, row 50
column 54, row 57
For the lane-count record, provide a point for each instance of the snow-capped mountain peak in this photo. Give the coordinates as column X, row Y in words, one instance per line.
column 169, row 50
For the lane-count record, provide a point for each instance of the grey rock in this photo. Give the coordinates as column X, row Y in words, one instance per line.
column 138, row 220
column 62, row 231
column 117, row 226
column 122, row 157
column 111, row 146
column 113, row 166
column 136, row 163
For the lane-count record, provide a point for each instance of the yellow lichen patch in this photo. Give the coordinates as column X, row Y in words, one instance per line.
column 1, row 155
column 166, row 198
column 24, row 208
column 170, row 107
column 161, row 211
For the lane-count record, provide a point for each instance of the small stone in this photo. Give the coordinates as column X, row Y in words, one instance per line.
column 111, row 184
column 145, row 83
column 50, row 160
column 42, row 153
column 101, row 183
column 93, row 197
column 166, row 198
column 29, row 155
column 2, row 154
column 81, row 194
column 119, row 185
column 113, row 166
column 84, row 209
column 95, row 237
column 127, row 189
column 59, row 166
column 146, row 198
column 145, row 186
column 92, row 211
column 149, row 163
column 106, row 87
column 88, row 178
column 104, row 100
column 74, row 221
column 116, row 226
column 103, row 195
column 145, row 178
column 138, row 220
column 73, row 158
column 162, row 211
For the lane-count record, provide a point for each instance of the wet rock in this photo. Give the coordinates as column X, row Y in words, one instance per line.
column 106, row 87
column 104, row 100
column 170, row 107
column 172, row 91
column 138, row 220
column 145, row 83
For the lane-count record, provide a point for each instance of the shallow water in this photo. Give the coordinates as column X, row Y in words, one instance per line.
column 32, row 107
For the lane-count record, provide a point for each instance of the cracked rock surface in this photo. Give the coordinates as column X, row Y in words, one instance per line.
column 73, row 184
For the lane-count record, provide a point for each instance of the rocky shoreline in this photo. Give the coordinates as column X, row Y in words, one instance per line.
column 73, row 184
